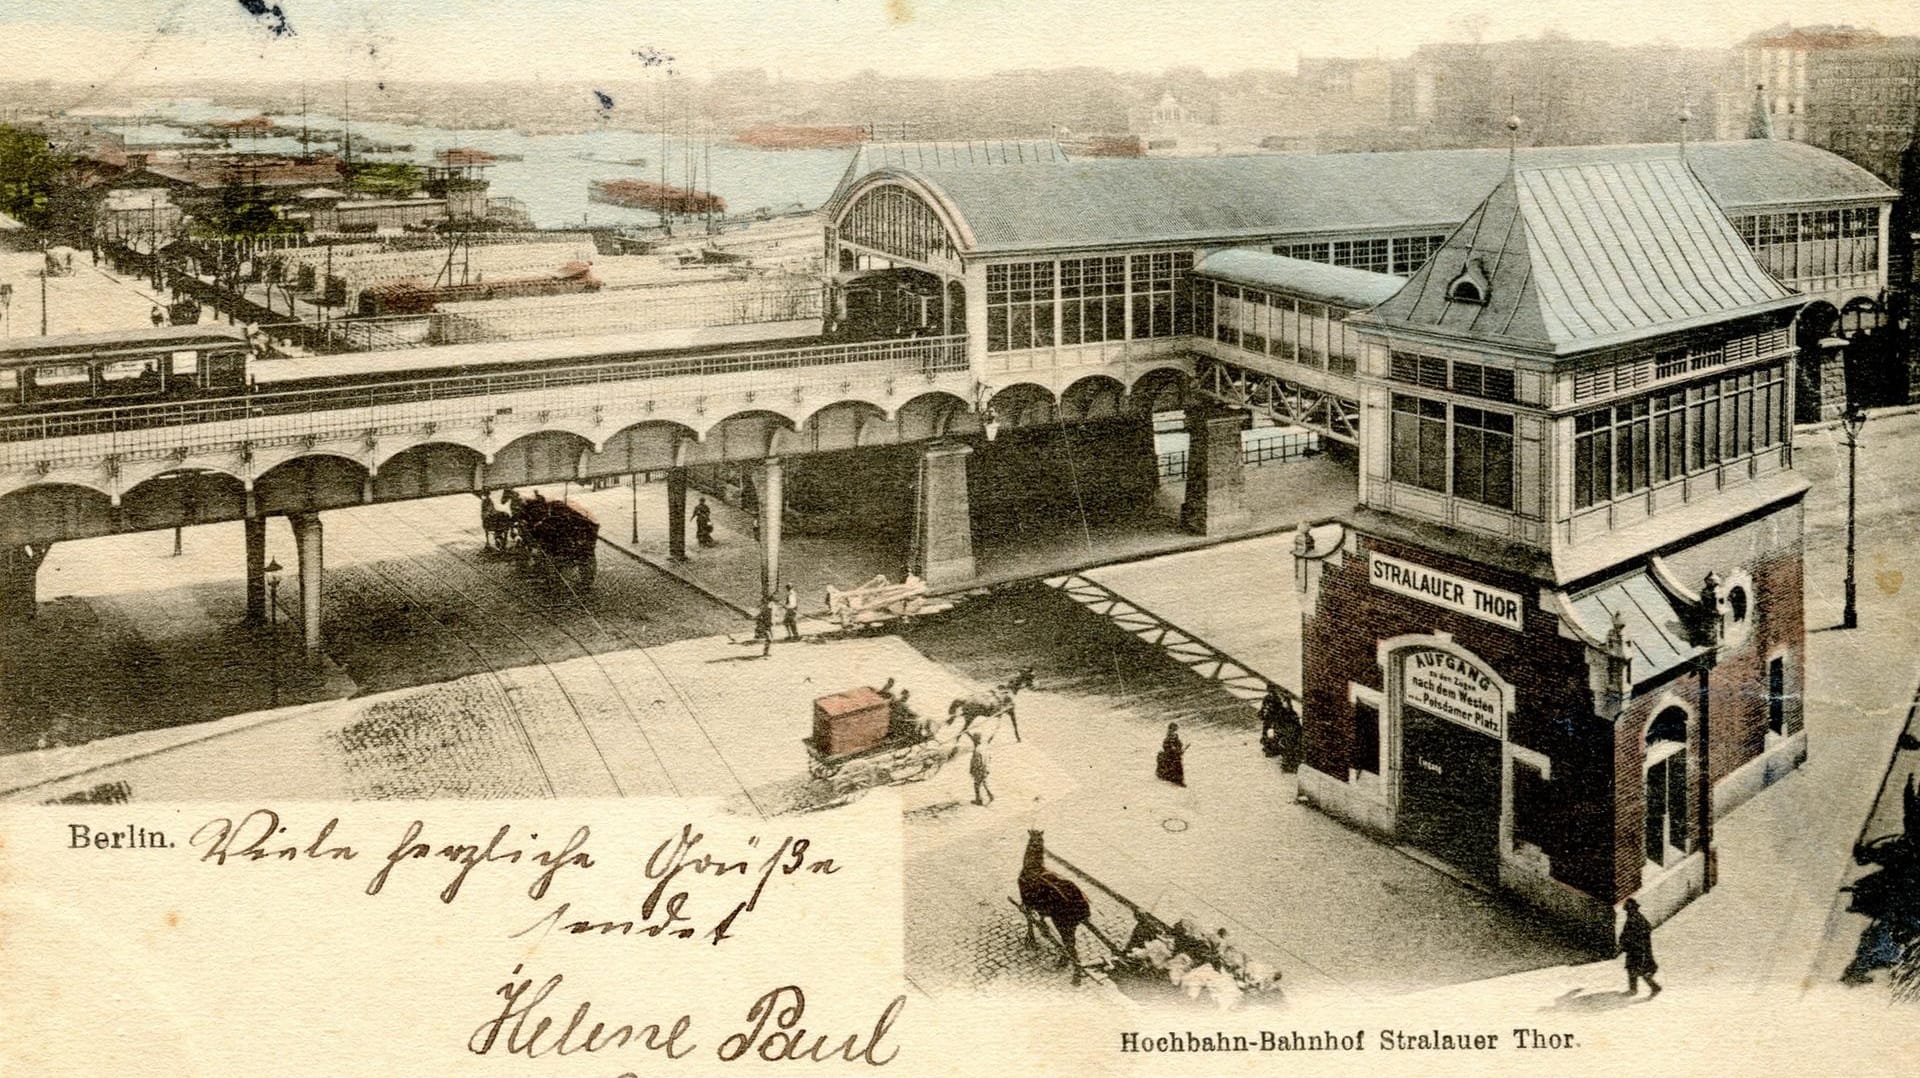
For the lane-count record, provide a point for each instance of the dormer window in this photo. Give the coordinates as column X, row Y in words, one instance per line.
column 1470, row 286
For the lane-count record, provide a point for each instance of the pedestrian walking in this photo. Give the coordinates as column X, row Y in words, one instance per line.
column 977, row 767
column 763, row 626
column 1280, row 729
column 1171, row 763
column 703, row 523
column 1636, row 943
column 791, row 603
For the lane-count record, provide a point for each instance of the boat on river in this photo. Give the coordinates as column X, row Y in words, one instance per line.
column 647, row 195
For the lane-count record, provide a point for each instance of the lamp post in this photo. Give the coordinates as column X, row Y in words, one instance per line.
column 272, row 572
column 633, row 482
column 1851, row 424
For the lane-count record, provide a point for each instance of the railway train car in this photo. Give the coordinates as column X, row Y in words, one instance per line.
column 51, row 386
column 39, row 374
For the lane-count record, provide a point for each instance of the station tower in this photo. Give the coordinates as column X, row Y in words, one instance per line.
column 1561, row 632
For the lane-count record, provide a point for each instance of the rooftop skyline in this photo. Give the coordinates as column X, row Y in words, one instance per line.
column 131, row 42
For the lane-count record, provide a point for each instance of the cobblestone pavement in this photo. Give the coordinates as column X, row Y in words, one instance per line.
column 131, row 637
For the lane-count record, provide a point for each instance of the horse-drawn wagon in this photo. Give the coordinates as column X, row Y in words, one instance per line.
column 880, row 600
column 862, row 738
column 560, row 535
column 1159, row 962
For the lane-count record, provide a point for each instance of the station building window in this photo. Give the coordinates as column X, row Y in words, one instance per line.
column 1412, row 252
column 1369, row 255
column 1483, row 456
column 1777, row 695
column 1626, row 447
column 1532, row 806
column 1366, row 738
column 1093, row 300
column 1668, row 836
column 1473, row 460
column 1020, row 306
column 1419, row 442
column 1158, row 287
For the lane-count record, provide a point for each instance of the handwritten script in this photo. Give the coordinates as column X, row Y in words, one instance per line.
column 697, row 891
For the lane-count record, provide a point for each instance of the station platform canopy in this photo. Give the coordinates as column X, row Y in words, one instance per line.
column 1110, row 203
column 1339, row 285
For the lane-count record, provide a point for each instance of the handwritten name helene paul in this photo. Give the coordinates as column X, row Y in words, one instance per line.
column 532, row 1024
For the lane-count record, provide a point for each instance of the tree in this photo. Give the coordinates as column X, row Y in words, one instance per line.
column 33, row 177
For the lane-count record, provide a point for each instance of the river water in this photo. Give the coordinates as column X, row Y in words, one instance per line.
column 552, row 178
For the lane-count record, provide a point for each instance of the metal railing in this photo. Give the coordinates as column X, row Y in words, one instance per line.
column 1292, row 445
column 924, row 355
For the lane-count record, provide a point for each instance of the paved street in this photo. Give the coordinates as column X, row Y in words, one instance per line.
column 502, row 684
column 129, row 637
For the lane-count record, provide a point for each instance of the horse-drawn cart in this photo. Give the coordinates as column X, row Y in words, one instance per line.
column 1160, row 962
column 860, row 741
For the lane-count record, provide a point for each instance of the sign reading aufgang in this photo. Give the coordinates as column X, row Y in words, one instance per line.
column 1446, row 590
column 1442, row 683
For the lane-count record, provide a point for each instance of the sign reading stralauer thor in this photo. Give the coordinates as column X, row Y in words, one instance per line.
column 1442, row 683
column 1446, row 590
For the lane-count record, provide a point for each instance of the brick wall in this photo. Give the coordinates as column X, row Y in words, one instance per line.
column 1553, row 712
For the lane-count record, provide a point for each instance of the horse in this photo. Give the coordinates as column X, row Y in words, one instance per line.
column 1048, row 896
column 993, row 702
column 496, row 523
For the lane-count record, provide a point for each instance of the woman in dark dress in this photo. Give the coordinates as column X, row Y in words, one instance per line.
column 1170, row 765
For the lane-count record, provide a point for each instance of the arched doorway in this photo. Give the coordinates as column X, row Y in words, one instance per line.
column 1450, row 712
column 1669, row 834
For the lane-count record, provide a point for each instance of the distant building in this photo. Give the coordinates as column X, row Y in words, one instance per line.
column 1568, row 92
column 1856, row 93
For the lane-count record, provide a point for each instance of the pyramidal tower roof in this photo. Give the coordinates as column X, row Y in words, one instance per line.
column 1572, row 258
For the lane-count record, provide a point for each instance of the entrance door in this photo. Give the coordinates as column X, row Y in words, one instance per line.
column 1450, row 793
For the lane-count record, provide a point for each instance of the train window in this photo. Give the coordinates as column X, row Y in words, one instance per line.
column 184, row 364
column 60, row 374
column 226, row 369
column 129, row 376
column 9, row 380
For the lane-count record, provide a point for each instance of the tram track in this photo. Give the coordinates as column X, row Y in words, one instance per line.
column 543, row 656
column 619, row 638
column 495, row 676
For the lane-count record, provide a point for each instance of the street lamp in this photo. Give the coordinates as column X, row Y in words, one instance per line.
column 272, row 572
column 1851, row 424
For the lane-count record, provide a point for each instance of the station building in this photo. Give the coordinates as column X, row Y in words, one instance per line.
column 1562, row 630
column 1098, row 293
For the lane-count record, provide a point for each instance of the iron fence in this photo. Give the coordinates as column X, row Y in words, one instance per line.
column 1292, row 445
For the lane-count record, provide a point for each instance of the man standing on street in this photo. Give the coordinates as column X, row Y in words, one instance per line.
column 1636, row 943
column 703, row 523
column 977, row 767
column 792, row 605
column 763, row 626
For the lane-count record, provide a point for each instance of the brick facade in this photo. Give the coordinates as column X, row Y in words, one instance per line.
column 1592, row 823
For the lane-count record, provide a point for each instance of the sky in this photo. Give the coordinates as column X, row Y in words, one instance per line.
column 134, row 41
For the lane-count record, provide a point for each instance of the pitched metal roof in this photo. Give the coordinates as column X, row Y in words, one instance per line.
column 1585, row 256
column 1109, row 202
column 132, row 337
column 1656, row 635
column 1296, row 277
column 869, row 156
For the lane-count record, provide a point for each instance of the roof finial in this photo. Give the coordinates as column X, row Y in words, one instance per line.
column 1686, row 117
column 1513, row 141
